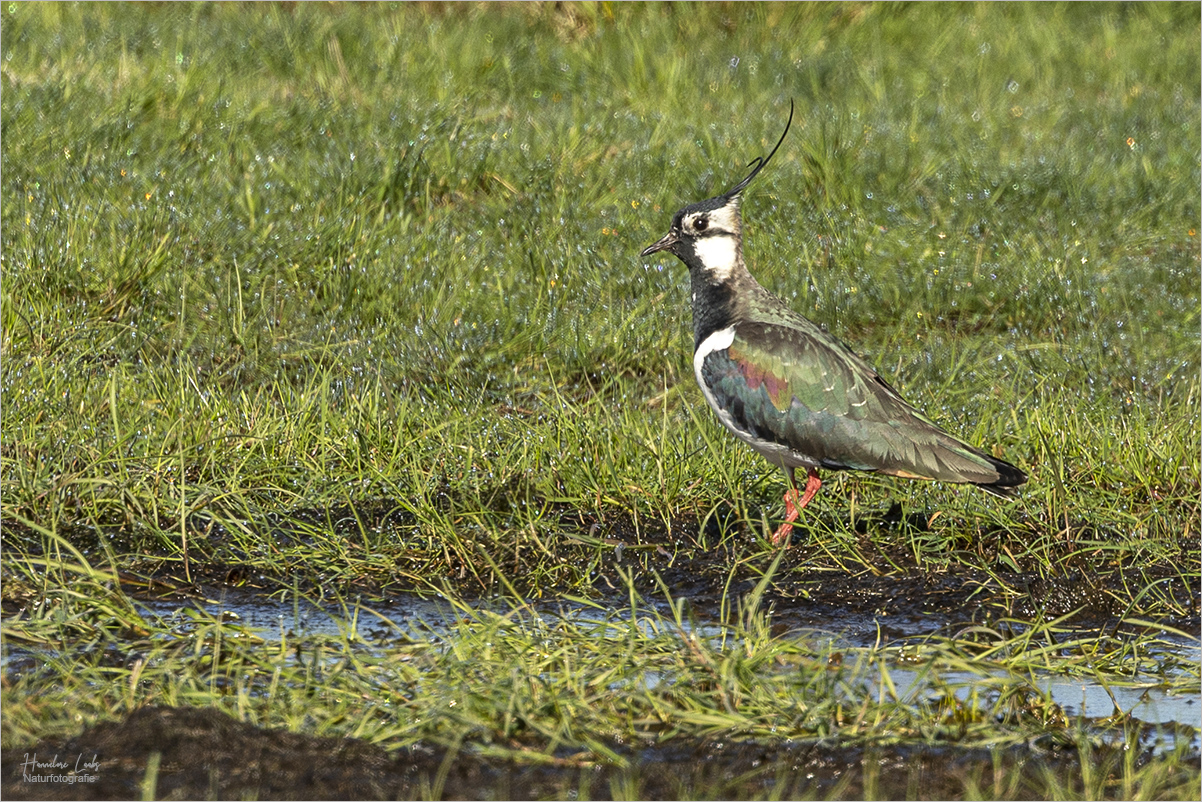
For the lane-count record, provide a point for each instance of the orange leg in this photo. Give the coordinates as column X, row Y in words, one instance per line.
column 792, row 509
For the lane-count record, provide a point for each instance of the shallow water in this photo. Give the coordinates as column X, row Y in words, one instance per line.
column 1084, row 699
column 273, row 618
column 412, row 616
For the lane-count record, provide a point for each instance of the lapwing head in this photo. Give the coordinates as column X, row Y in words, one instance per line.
column 708, row 235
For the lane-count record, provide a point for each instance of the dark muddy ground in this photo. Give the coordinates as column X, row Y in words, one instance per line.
column 810, row 588
column 204, row 754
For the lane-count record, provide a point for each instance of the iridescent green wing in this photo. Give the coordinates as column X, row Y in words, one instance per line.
column 794, row 385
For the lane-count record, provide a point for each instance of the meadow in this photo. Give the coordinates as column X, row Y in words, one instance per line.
column 340, row 303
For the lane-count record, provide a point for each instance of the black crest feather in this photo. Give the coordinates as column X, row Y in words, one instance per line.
column 759, row 162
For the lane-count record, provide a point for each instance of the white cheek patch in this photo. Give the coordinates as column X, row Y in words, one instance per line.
column 726, row 218
column 718, row 255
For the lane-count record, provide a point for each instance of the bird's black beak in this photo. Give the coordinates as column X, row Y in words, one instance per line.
column 664, row 244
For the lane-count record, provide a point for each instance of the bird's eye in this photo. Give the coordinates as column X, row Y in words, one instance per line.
column 701, row 223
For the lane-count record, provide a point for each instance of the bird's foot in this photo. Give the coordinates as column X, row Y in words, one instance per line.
column 792, row 510
column 793, row 507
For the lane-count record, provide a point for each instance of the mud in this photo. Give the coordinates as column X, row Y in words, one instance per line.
column 893, row 587
column 204, row 754
column 890, row 587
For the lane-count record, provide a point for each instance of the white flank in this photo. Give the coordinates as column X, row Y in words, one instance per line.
column 718, row 341
column 718, row 255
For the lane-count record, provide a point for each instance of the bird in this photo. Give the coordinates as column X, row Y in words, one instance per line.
column 790, row 390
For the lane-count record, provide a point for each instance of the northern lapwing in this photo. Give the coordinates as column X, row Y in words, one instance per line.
column 787, row 388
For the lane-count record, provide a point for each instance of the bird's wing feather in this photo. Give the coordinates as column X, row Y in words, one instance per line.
column 791, row 384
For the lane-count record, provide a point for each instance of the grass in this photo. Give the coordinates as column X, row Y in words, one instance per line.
column 347, row 299
column 596, row 687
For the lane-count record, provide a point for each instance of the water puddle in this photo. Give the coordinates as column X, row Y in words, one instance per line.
column 380, row 623
column 300, row 618
column 1148, row 703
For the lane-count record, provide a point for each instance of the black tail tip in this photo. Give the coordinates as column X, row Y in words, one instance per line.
column 1008, row 481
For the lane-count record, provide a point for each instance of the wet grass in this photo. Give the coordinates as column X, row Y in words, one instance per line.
column 347, row 301
column 612, row 688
